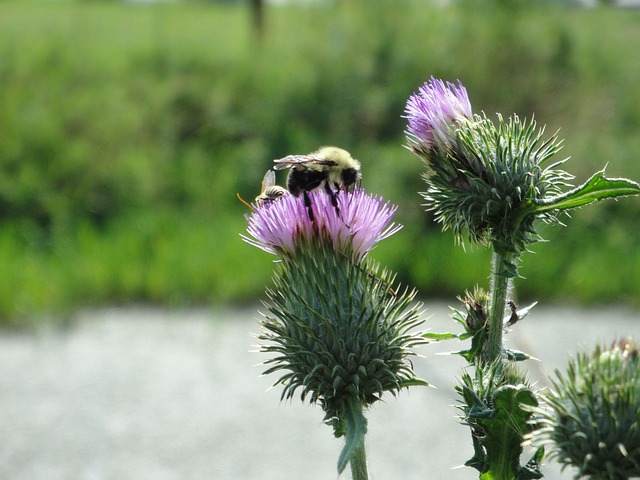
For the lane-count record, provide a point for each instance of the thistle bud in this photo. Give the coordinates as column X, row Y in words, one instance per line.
column 592, row 418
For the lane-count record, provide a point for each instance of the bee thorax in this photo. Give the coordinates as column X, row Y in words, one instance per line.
column 301, row 180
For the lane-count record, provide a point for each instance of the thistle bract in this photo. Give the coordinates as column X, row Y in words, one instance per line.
column 592, row 420
column 485, row 185
column 338, row 332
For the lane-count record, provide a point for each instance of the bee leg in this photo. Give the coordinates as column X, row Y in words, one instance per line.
column 307, row 203
column 334, row 197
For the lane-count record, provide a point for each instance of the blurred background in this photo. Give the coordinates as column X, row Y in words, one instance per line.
column 127, row 128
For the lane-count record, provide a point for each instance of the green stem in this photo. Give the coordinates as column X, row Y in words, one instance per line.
column 500, row 280
column 359, row 464
column 504, row 471
column 356, row 428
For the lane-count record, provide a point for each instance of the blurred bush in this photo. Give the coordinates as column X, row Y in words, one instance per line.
column 126, row 131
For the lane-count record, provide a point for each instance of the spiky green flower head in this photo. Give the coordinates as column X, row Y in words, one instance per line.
column 338, row 331
column 592, row 417
column 482, row 177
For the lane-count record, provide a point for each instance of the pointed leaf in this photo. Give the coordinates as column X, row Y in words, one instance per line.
column 516, row 355
column 503, row 424
column 523, row 312
column 439, row 336
column 356, row 427
column 598, row 187
column 414, row 382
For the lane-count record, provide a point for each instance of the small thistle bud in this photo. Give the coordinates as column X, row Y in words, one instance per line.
column 592, row 418
column 475, row 305
column 474, row 321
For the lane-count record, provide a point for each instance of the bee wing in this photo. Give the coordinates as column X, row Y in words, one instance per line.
column 292, row 160
column 269, row 180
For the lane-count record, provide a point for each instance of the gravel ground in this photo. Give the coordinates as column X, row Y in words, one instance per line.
column 146, row 394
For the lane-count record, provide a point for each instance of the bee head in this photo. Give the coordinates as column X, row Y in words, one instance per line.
column 350, row 176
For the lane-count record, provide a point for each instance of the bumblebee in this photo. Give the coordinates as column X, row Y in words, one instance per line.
column 269, row 192
column 331, row 168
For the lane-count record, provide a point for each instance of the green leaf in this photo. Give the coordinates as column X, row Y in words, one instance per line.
column 414, row 382
column 516, row 355
column 439, row 336
column 523, row 312
column 503, row 422
column 356, row 428
column 598, row 187
column 477, row 344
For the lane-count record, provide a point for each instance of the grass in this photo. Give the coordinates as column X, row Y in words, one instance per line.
column 126, row 131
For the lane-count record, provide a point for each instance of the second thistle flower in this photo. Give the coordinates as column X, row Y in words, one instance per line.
column 481, row 177
column 433, row 115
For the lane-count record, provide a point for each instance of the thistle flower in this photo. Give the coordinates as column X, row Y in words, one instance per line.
column 592, row 420
column 480, row 176
column 492, row 181
column 433, row 114
column 337, row 331
column 361, row 221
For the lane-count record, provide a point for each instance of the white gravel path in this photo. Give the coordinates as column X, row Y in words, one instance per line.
column 148, row 394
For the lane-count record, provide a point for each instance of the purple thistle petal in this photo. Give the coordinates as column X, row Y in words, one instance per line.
column 433, row 111
column 361, row 222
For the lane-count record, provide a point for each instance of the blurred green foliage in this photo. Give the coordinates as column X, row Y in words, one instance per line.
column 126, row 131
